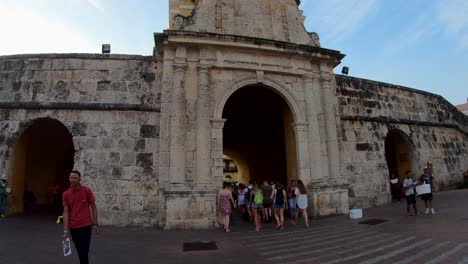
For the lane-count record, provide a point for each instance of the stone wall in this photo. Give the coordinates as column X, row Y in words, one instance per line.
column 110, row 106
column 369, row 110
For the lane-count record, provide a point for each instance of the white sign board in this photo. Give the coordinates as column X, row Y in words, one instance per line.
column 423, row 189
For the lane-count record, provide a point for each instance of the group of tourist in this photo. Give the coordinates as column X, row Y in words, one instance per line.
column 408, row 190
column 260, row 203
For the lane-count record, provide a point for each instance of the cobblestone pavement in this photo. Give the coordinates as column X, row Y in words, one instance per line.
column 440, row 238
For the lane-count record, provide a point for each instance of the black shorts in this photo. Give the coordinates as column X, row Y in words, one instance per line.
column 426, row 197
column 411, row 199
column 266, row 204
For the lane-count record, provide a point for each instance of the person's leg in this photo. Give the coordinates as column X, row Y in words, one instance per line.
column 291, row 208
column 82, row 239
column 426, row 205
column 2, row 204
column 257, row 213
column 306, row 218
column 430, row 205
column 281, row 216
column 249, row 210
column 276, row 213
column 226, row 217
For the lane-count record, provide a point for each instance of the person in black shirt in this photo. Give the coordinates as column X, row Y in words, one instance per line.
column 427, row 178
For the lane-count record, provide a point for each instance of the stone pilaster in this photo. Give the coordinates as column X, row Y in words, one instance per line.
column 217, row 150
column 178, row 127
column 328, row 103
column 203, row 147
column 303, row 164
column 313, row 108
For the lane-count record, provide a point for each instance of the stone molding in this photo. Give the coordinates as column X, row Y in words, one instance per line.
column 218, row 123
column 78, row 106
column 283, row 92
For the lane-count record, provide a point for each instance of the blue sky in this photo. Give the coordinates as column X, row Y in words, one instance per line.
column 421, row 44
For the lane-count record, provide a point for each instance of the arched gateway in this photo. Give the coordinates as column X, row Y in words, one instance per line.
column 43, row 156
column 257, row 92
column 259, row 129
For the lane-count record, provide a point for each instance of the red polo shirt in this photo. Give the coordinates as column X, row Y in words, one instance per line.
column 78, row 202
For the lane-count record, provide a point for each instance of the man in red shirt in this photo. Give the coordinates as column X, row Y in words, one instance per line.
column 77, row 216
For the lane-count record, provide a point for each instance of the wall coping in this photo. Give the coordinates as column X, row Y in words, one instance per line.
column 92, row 56
column 438, row 97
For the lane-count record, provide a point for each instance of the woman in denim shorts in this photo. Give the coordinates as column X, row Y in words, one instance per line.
column 278, row 196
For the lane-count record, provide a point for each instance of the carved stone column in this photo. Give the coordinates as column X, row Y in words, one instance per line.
column 178, row 126
column 314, row 108
column 203, row 155
column 217, row 150
column 303, row 160
column 328, row 102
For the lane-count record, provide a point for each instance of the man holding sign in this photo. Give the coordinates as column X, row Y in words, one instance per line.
column 427, row 178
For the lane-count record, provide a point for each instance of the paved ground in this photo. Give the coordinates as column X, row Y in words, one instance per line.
column 440, row 238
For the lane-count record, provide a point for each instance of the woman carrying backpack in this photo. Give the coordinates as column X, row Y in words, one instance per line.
column 278, row 196
column 257, row 205
column 301, row 200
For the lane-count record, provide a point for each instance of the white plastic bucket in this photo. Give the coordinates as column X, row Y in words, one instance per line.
column 355, row 213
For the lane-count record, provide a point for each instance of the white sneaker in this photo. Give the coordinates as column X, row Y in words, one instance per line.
column 432, row 210
column 427, row 211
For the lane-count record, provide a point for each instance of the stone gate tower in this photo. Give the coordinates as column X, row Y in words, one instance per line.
column 224, row 46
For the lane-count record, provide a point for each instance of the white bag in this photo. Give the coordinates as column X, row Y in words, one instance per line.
column 423, row 189
column 66, row 247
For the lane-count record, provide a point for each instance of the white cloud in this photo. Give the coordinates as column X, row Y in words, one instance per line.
column 25, row 31
column 340, row 18
column 453, row 15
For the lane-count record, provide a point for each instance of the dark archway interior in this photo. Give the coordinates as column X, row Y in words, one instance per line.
column 397, row 154
column 44, row 157
column 255, row 130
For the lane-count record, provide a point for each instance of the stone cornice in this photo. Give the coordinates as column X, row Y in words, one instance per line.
column 214, row 39
column 77, row 106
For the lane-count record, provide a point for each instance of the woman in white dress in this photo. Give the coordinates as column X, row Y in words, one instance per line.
column 301, row 200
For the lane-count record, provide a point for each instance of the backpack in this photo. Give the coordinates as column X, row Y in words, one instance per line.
column 258, row 198
column 279, row 199
column 248, row 193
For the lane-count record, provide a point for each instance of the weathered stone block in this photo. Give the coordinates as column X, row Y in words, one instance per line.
column 128, row 159
column 144, row 159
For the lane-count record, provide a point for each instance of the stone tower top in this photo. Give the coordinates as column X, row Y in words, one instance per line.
column 279, row 20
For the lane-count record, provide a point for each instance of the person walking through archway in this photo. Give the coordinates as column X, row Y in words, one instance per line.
column 225, row 202
column 267, row 190
column 278, row 196
column 256, row 198
column 301, row 200
column 292, row 201
column 79, row 215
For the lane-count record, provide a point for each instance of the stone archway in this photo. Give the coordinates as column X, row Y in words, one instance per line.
column 259, row 128
column 399, row 153
column 42, row 156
